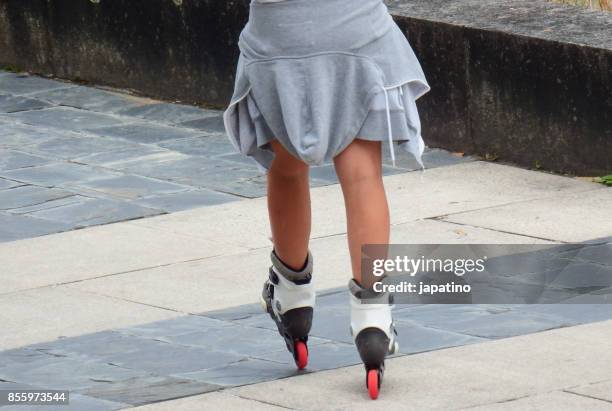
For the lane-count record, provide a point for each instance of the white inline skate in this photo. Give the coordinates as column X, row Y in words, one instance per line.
column 373, row 332
column 289, row 297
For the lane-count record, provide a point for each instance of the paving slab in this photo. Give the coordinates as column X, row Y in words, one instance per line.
column 90, row 98
column 321, row 357
column 6, row 184
column 98, row 346
column 432, row 158
column 198, row 282
column 496, row 325
column 29, row 195
column 168, row 113
column 21, row 136
column 455, row 378
column 56, row 174
column 142, row 132
column 207, row 145
column 132, row 187
column 210, row 124
column 20, row 84
column 173, row 359
column 186, row 325
column 77, row 403
column 66, row 118
column 600, row 390
column 248, row 371
column 13, row 104
column 62, row 311
column 17, row 227
column 213, row 401
column 133, row 152
column 545, row 218
column 409, row 201
column 580, row 313
column 468, row 186
column 75, row 145
column 231, row 338
column 432, row 231
column 13, row 159
column 186, row 200
column 131, row 248
column 68, row 373
column 94, row 211
column 556, row 400
column 196, row 171
column 145, row 390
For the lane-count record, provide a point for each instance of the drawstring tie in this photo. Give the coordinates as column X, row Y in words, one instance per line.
column 389, row 130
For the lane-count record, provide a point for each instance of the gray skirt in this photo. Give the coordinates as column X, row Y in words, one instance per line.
column 316, row 74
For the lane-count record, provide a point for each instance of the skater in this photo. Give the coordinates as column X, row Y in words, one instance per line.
column 321, row 81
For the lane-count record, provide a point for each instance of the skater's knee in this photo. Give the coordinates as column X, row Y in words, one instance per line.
column 360, row 162
column 285, row 165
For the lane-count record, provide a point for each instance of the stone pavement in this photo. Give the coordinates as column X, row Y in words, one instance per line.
column 146, row 311
column 74, row 156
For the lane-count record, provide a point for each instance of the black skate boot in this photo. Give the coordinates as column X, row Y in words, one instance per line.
column 373, row 331
column 289, row 297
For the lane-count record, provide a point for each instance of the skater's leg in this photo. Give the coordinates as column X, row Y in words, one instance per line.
column 359, row 169
column 289, row 207
column 288, row 294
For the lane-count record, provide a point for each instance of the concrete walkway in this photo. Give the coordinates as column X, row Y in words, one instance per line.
column 141, row 312
column 73, row 156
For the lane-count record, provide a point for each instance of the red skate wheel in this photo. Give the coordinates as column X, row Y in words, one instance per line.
column 373, row 383
column 301, row 354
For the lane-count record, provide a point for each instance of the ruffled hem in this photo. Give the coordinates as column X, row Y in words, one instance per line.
column 316, row 104
column 254, row 135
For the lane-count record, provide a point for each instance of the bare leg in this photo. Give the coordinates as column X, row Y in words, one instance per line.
column 359, row 169
column 289, row 207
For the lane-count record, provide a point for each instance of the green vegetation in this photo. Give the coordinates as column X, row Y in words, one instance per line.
column 606, row 180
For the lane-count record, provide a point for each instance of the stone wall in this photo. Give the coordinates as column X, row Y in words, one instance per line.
column 525, row 81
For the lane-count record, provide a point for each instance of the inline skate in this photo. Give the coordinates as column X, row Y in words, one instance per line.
column 373, row 332
column 289, row 297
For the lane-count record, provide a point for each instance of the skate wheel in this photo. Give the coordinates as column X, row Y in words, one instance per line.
column 301, row 355
column 373, row 382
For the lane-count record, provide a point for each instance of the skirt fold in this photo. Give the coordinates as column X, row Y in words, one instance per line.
column 317, row 94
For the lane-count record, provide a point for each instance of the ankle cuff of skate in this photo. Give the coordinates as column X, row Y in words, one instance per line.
column 298, row 277
column 368, row 294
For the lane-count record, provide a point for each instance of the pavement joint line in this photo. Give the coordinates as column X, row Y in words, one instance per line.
column 261, row 401
column 46, row 201
column 110, row 274
column 586, row 396
column 507, row 400
column 33, row 93
column 186, row 235
column 499, row 231
column 26, row 110
column 134, row 119
column 114, row 297
column 588, row 384
column 551, row 197
column 42, row 202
